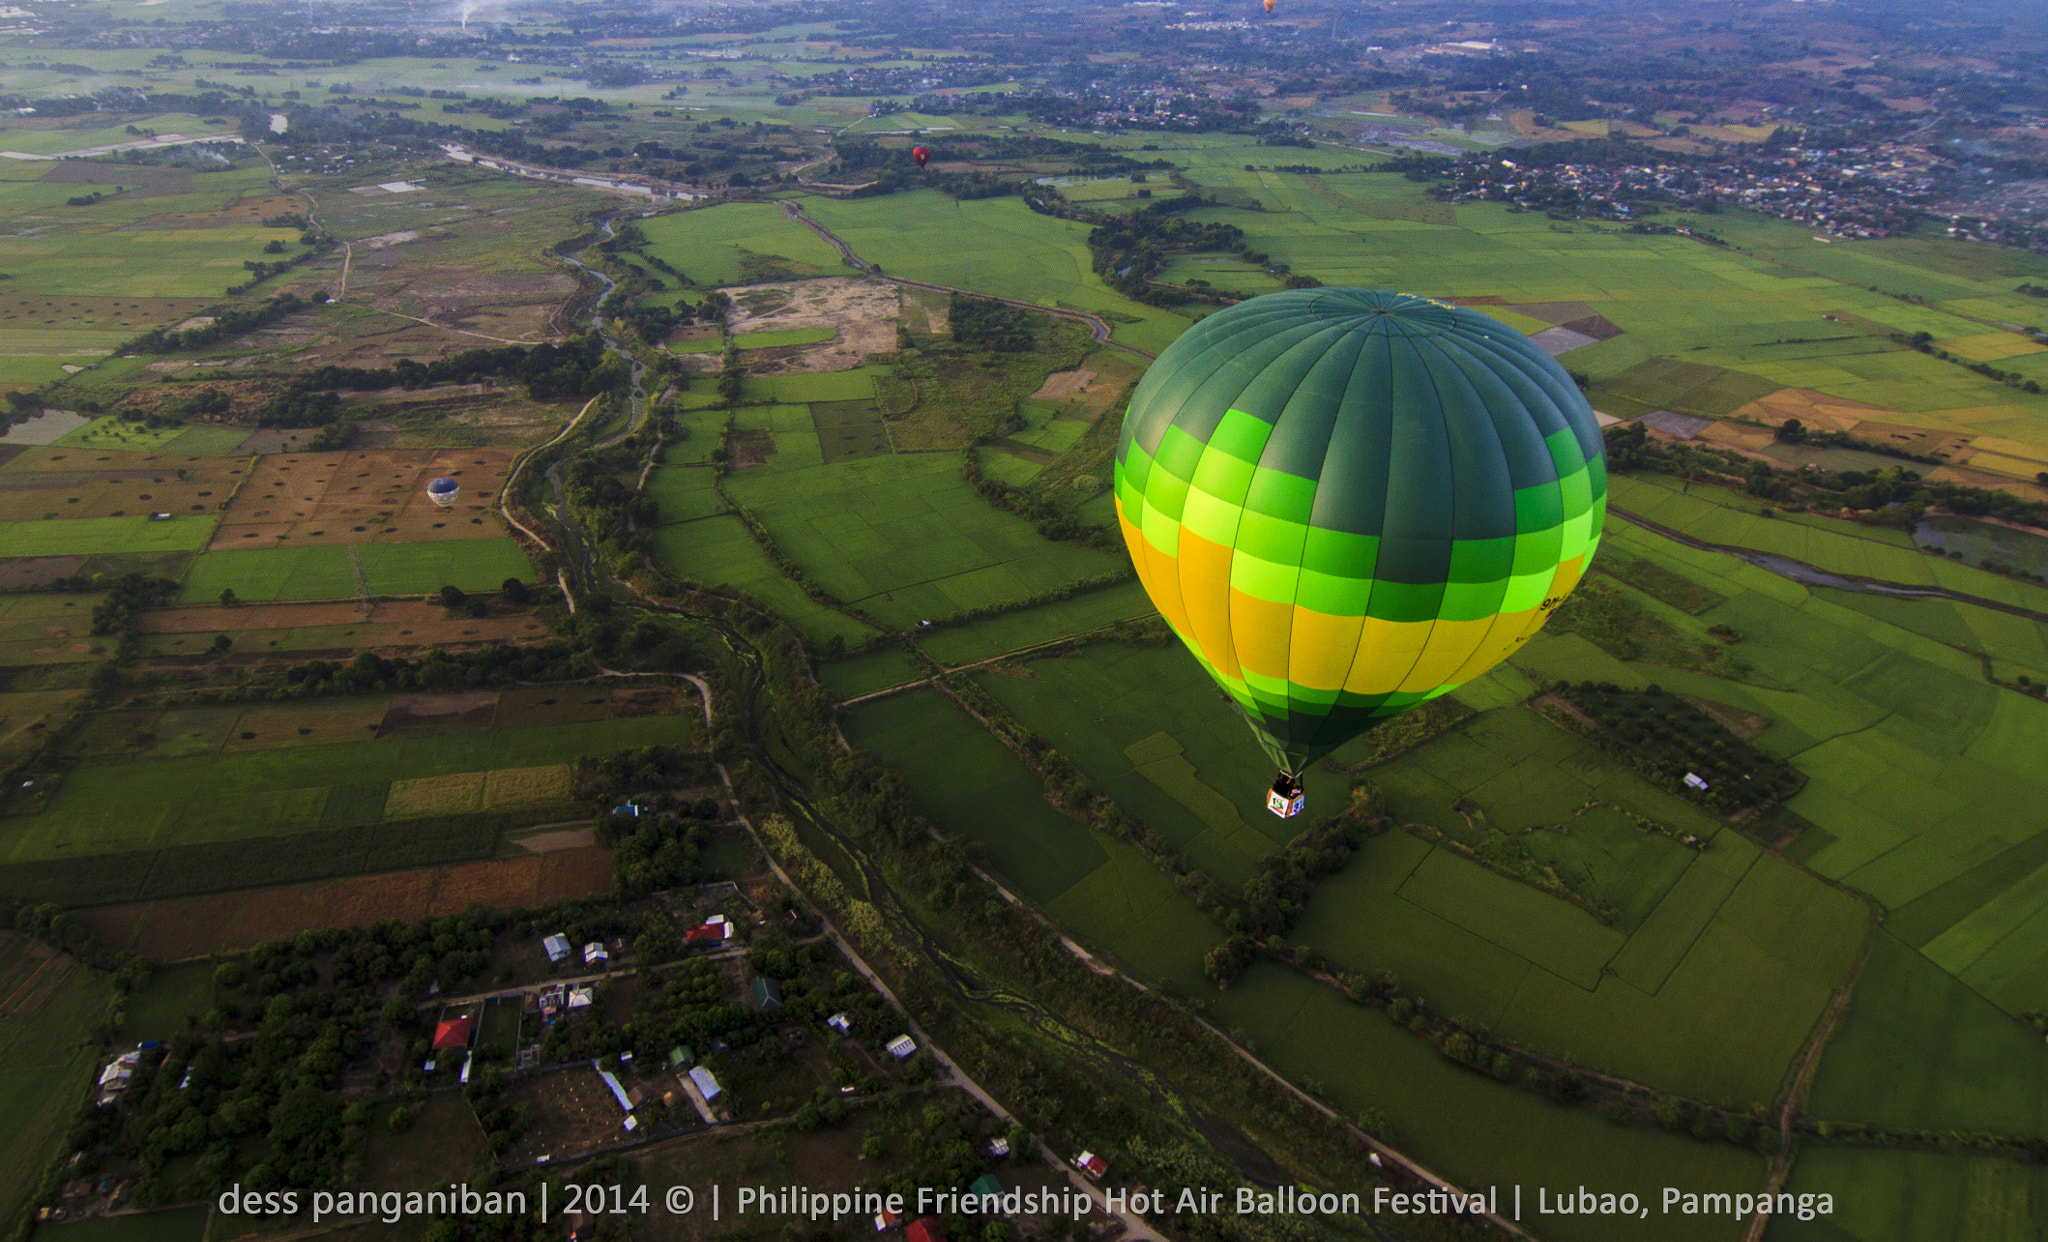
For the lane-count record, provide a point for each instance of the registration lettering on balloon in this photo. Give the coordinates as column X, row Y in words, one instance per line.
column 1347, row 502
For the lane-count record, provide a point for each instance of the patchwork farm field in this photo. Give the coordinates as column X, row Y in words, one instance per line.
column 994, row 245
column 393, row 626
column 188, row 927
column 377, row 497
column 49, row 1048
column 163, row 804
column 49, row 629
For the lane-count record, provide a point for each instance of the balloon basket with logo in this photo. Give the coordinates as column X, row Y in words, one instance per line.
column 1285, row 798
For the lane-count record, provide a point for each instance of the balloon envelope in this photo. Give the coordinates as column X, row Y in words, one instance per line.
column 1269, row 6
column 1347, row 502
column 442, row 492
column 920, row 154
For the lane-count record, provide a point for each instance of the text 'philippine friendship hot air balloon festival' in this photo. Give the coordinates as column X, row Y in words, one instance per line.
column 1347, row 502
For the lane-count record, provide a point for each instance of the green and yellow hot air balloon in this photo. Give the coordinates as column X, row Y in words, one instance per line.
column 1347, row 502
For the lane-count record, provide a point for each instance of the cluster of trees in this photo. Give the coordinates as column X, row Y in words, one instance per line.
column 130, row 594
column 1050, row 521
column 985, row 323
column 1668, row 738
column 496, row 665
column 1277, row 894
column 226, row 326
column 1127, row 250
column 1924, row 343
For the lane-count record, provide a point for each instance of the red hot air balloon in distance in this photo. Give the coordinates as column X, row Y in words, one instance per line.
column 1269, row 6
column 920, row 154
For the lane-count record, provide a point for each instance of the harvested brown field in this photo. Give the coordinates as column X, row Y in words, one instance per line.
column 376, row 496
column 21, row 309
column 391, row 625
column 525, row 706
column 1091, row 388
column 33, row 971
column 239, row 214
column 48, row 481
column 273, row 727
column 470, row 710
column 19, row 573
column 227, row 922
column 646, row 701
column 751, row 447
column 1817, row 410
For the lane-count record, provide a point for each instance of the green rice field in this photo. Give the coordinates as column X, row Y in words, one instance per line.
column 152, row 803
column 739, row 243
column 327, row 572
column 901, row 536
column 85, row 536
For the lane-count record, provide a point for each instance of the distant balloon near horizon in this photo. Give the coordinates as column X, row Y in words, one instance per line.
column 1347, row 502
column 1269, row 6
column 442, row 492
column 920, row 154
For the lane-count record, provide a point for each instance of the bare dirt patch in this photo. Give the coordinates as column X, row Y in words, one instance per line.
column 19, row 573
column 646, row 701
column 751, row 447
column 568, row 1112
column 862, row 310
column 414, row 711
column 565, row 839
column 226, row 922
column 1064, row 385
column 527, row 706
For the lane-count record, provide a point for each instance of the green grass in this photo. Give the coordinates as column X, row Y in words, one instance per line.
column 182, row 1224
column 326, row 572
column 972, row 787
column 84, row 536
column 1900, row 1196
column 1026, row 627
column 1467, row 1127
column 876, row 670
column 1920, row 1050
column 109, row 808
column 174, row 995
column 682, row 493
column 739, row 243
column 49, row 1063
column 855, row 385
column 904, row 537
column 787, row 336
column 718, row 551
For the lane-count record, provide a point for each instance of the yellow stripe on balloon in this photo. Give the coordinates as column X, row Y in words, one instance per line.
column 1386, row 651
column 1320, row 648
column 1205, row 588
column 1450, row 645
column 1258, row 632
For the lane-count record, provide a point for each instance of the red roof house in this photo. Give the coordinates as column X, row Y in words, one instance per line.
column 453, row 1033
column 924, row 1229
